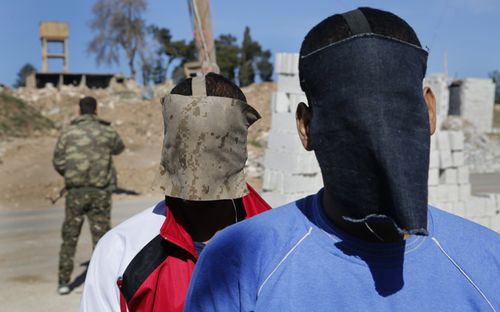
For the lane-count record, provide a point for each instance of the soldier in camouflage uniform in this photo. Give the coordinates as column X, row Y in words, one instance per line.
column 83, row 156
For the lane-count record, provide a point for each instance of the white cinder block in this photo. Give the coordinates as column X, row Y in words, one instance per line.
column 284, row 122
column 280, row 102
column 442, row 193
column 473, row 99
column 289, row 84
column 463, row 175
column 491, row 206
column 433, row 176
column 283, row 183
column 484, row 221
column 274, row 199
column 476, row 207
column 433, row 194
column 445, row 160
column 447, row 206
column 453, row 193
column 295, row 99
column 295, row 69
column 439, row 85
column 287, row 141
column 456, row 140
column 273, row 181
column 458, row 158
column 434, row 159
column 434, row 143
column 464, row 192
column 495, row 223
column 287, row 63
column 291, row 163
column 302, row 183
column 448, row 176
column 443, row 140
column 459, row 208
column 297, row 196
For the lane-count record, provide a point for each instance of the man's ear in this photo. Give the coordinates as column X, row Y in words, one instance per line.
column 430, row 100
column 303, row 119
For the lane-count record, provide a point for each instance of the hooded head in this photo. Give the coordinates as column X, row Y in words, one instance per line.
column 206, row 122
column 369, row 119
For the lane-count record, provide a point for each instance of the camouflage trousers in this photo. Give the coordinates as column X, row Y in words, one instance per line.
column 96, row 205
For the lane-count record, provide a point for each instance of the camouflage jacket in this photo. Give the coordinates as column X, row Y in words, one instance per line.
column 83, row 153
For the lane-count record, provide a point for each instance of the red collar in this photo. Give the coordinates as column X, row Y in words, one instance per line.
column 174, row 232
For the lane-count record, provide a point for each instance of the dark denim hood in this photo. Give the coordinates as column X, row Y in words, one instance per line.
column 370, row 127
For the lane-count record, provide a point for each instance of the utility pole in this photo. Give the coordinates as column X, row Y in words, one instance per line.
column 204, row 38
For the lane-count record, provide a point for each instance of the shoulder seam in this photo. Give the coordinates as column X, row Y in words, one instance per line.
column 284, row 259
column 463, row 273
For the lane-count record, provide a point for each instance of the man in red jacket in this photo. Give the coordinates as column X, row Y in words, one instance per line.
column 145, row 263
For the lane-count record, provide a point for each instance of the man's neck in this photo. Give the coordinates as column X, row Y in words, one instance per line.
column 368, row 231
column 203, row 221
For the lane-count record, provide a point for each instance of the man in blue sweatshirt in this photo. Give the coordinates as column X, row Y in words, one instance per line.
column 367, row 241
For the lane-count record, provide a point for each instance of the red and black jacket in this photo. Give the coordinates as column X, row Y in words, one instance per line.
column 157, row 278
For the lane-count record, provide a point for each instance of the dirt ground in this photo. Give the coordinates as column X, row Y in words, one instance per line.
column 28, row 178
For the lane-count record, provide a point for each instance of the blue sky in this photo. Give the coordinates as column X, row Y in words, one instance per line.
column 467, row 29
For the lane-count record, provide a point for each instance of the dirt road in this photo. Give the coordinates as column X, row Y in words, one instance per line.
column 30, row 241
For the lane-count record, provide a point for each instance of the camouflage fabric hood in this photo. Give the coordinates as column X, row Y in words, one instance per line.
column 204, row 146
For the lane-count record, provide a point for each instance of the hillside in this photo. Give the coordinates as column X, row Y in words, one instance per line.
column 17, row 119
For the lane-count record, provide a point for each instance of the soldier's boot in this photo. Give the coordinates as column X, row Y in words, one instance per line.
column 63, row 289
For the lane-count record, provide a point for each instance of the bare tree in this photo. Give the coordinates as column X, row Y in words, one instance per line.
column 117, row 24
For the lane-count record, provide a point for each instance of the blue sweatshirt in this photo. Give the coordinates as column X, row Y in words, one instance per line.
column 293, row 259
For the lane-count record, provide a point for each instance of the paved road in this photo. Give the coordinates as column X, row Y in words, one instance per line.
column 29, row 246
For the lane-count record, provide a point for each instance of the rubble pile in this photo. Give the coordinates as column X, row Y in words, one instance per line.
column 482, row 151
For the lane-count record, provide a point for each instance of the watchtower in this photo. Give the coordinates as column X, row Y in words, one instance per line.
column 54, row 32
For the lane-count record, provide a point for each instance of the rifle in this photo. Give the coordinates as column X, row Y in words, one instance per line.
column 121, row 190
column 114, row 190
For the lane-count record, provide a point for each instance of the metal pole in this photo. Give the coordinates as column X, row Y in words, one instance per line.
column 202, row 27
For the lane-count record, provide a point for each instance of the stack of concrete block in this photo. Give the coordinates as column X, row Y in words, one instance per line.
column 439, row 85
column 474, row 100
column 449, row 184
column 290, row 171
